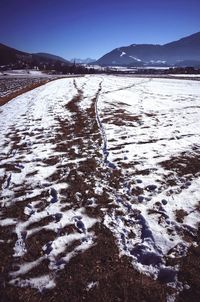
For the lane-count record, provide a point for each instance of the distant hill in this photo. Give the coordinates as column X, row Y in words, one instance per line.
column 10, row 55
column 51, row 57
column 18, row 59
column 178, row 53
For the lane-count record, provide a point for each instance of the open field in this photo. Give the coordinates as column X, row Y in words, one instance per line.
column 100, row 186
column 16, row 83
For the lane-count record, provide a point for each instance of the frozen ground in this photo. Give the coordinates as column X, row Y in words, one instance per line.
column 100, row 155
column 14, row 82
column 186, row 75
column 152, row 136
column 23, row 72
column 8, row 85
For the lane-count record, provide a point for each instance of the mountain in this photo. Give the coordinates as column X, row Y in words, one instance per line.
column 51, row 57
column 10, row 55
column 14, row 58
column 185, row 50
column 82, row 61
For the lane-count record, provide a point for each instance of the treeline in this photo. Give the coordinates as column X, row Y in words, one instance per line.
column 58, row 67
column 172, row 70
column 55, row 68
column 70, row 69
column 154, row 71
column 184, row 70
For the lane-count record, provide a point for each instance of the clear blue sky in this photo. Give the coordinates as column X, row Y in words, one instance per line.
column 90, row 28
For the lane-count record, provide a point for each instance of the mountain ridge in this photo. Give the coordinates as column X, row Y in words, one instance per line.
column 12, row 57
column 51, row 56
column 169, row 54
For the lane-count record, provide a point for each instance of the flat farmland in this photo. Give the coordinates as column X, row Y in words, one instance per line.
column 100, row 191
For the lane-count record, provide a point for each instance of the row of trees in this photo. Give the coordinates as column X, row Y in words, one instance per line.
column 56, row 67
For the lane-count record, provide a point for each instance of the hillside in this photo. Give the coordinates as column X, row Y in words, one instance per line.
column 49, row 56
column 184, row 52
column 14, row 58
column 10, row 55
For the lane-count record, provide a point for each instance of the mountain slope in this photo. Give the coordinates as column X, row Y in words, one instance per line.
column 14, row 57
column 185, row 49
column 49, row 56
column 10, row 55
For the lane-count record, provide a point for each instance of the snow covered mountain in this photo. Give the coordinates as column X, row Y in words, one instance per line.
column 184, row 52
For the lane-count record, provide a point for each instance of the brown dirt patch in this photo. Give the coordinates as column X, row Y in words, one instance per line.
column 183, row 164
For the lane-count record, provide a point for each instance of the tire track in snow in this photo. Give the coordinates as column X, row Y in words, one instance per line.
column 100, row 125
column 123, row 199
column 127, row 87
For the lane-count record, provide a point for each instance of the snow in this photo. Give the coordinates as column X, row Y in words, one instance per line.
column 41, row 283
column 158, row 61
column 91, row 285
column 123, row 54
column 8, row 221
column 134, row 58
column 185, row 75
column 24, row 72
column 34, row 118
column 166, row 124
column 143, row 123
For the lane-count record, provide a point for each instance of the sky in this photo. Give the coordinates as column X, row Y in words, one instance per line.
column 90, row 28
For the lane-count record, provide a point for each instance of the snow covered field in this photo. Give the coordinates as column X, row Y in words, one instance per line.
column 8, row 85
column 79, row 155
column 152, row 133
column 13, row 81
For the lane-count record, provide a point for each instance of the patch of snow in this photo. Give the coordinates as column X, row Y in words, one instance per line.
column 134, row 58
column 185, row 75
column 123, row 54
column 158, row 61
column 24, row 72
column 8, row 221
column 91, row 285
column 41, row 283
